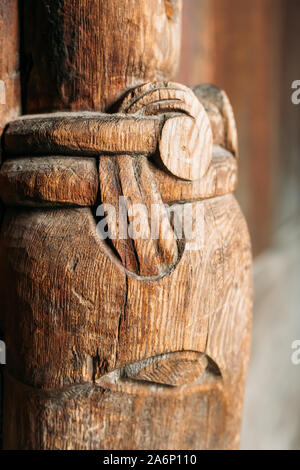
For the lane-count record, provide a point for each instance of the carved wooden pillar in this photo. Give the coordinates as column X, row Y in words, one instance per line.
column 10, row 97
column 123, row 342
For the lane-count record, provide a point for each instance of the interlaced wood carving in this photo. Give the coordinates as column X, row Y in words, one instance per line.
column 123, row 342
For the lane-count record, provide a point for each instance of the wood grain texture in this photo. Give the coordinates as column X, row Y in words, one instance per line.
column 139, row 250
column 10, row 94
column 174, row 369
column 89, row 407
column 49, row 181
column 10, row 97
column 54, row 181
column 93, row 311
column 182, row 134
column 185, row 146
column 176, row 135
column 220, row 113
column 220, row 179
column 110, row 345
column 74, row 64
column 83, row 134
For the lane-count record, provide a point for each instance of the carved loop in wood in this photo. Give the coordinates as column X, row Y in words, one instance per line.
column 160, row 132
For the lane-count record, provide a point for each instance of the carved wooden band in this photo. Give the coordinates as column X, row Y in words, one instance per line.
column 163, row 121
column 169, row 118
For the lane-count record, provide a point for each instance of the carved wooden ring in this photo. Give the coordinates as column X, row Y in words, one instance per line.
column 164, row 117
column 61, row 178
column 186, row 139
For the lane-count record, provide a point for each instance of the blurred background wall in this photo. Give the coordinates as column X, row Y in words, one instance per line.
column 250, row 48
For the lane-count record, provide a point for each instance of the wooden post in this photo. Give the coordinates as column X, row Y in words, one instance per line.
column 123, row 342
column 83, row 54
column 230, row 63
column 10, row 96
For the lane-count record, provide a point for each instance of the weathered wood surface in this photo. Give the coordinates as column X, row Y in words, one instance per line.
column 132, row 179
column 82, row 134
column 110, row 404
column 49, row 181
column 182, row 133
column 221, row 116
column 111, row 345
column 10, row 94
column 136, row 130
column 139, row 133
column 77, row 302
column 84, row 54
column 53, row 181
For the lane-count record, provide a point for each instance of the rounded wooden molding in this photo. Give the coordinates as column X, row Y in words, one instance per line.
column 186, row 139
column 186, row 147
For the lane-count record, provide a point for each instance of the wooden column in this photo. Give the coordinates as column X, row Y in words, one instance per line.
column 120, row 343
column 10, row 97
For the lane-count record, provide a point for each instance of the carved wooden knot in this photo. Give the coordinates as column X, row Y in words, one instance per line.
column 159, row 126
column 183, row 146
column 186, row 140
column 182, row 123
